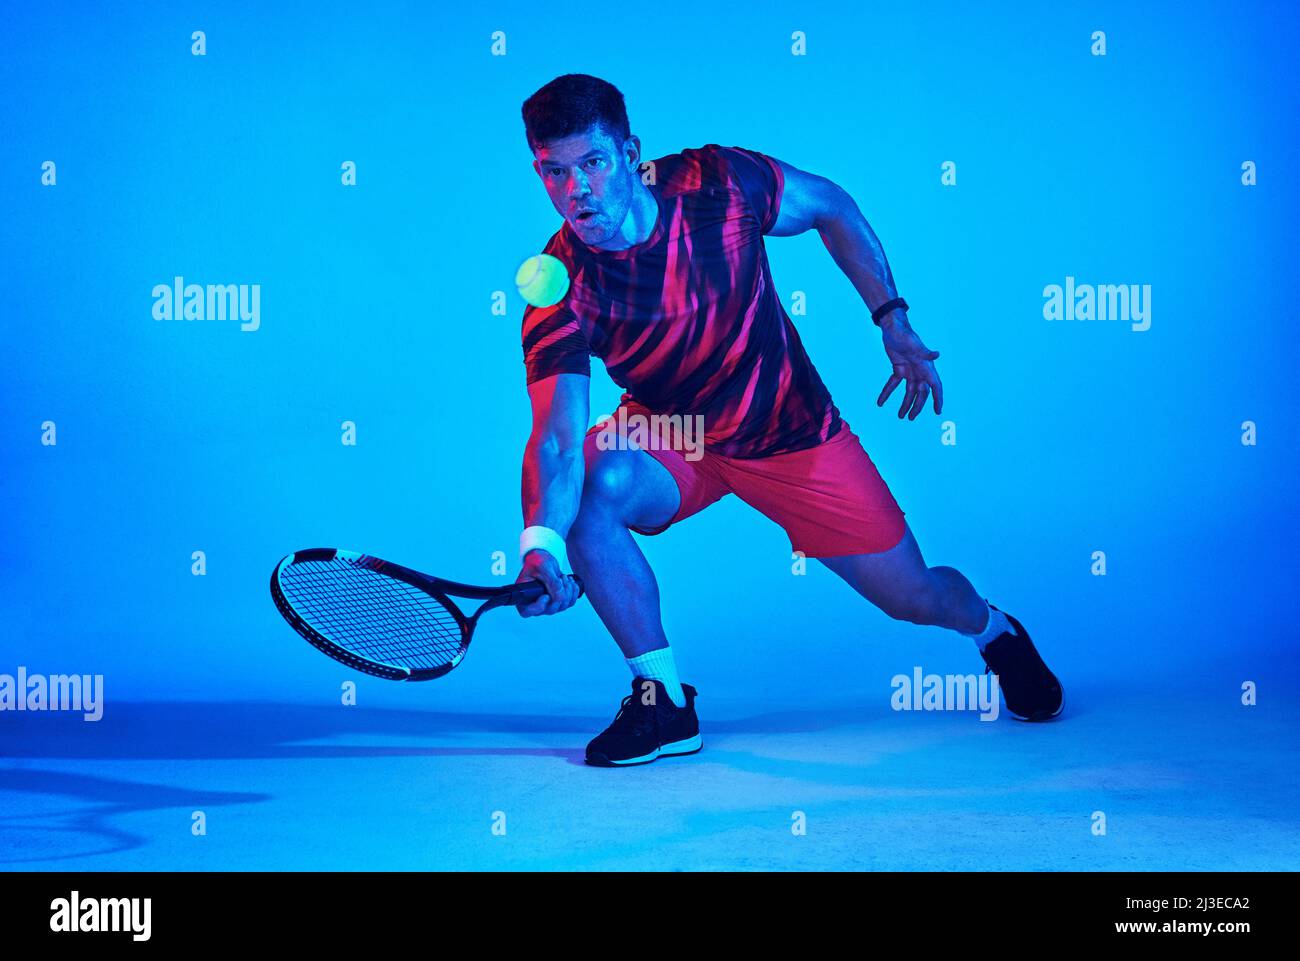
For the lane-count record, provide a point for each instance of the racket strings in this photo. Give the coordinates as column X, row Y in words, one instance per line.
column 373, row 615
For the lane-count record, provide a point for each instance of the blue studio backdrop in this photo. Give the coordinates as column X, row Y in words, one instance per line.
column 1124, row 486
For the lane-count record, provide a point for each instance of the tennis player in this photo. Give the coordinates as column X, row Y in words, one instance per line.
column 671, row 289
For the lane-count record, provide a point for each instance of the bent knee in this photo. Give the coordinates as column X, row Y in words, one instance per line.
column 625, row 487
column 610, row 479
column 607, row 489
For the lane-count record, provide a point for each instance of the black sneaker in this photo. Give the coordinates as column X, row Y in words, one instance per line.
column 641, row 732
column 1031, row 691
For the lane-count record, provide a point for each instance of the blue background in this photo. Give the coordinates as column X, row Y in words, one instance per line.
column 376, row 308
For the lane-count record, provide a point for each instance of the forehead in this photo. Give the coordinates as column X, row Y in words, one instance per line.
column 576, row 147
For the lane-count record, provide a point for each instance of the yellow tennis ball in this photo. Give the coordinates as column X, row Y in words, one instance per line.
column 542, row 280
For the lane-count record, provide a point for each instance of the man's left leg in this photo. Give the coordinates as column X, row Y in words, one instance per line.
column 899, row 583
column 834, row 505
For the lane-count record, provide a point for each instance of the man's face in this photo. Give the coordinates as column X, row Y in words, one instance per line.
column 589, row 177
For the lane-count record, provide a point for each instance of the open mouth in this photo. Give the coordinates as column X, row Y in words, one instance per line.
column 586, row 215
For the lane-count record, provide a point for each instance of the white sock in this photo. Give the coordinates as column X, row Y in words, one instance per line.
column 997, row 624
column 659, row 665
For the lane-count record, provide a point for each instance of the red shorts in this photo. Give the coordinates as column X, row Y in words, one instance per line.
column 830, row 499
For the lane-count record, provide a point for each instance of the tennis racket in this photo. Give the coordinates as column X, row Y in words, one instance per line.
column 382, row 618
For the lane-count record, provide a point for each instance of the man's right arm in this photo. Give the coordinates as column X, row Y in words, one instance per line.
column 554, row 466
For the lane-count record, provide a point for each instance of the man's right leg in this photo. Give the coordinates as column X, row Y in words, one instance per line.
column 623, row 489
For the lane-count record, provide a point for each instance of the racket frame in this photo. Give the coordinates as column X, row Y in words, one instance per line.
column 436, row 587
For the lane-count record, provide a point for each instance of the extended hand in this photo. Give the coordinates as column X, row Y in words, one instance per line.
column 913, row 362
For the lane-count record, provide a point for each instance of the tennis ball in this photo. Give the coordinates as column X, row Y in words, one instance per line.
column 542, row 280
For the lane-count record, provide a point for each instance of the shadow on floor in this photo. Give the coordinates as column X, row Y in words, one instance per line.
column 86, row 826
column 74, row 813
column 253, row 730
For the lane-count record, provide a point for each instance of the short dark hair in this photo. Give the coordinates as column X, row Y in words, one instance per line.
column 571, row 104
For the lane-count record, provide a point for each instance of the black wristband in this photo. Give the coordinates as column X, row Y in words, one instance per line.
column 897, row 303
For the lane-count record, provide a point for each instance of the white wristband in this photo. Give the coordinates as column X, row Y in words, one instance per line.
column 543, row 538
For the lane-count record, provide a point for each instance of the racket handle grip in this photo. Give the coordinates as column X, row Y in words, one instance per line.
column 531, row 591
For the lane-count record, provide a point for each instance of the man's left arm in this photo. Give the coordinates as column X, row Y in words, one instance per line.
column 811, row 202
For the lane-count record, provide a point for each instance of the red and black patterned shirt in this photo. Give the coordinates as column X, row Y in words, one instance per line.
column 688, row 322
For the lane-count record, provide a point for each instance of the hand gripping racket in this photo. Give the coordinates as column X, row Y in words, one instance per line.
column 382, row 618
